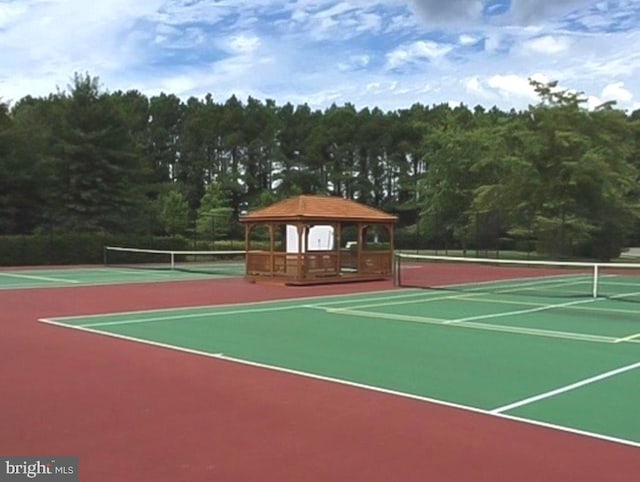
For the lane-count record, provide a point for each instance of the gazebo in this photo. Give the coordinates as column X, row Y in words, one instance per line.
column 316, row 240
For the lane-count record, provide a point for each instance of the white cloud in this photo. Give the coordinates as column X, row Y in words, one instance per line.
column 535, row 11
column 474, row 86
column 354, row 62
column 184, row 12
column 179, row 84
column 299, row 15
column 335, row 10
column 11, row 13
column 617, row 92
column 593, row 102
column 465, row 39
column 493, row 41
column 595, row 21
column 386, row 53
column 57, row 38
column 243, row 44
column 512, row 85
column 415, row 52
column 381, row 87
column 547, row 45
column 368, row 22
column 401, row 23
column 334, row 21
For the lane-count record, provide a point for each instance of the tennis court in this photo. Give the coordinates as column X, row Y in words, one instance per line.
column 466, row 371
column 54, row 278
column 573, row 365
column 131, row 265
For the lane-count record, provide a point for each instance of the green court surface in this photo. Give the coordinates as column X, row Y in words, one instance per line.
column 573, row 364
column 59, row 277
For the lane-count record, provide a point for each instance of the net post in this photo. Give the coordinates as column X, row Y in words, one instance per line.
column 396, row 270
column 104, row 255
column 596, row 278
column 173, row 261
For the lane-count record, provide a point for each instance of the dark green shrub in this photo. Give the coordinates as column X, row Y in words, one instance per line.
column 72, row 248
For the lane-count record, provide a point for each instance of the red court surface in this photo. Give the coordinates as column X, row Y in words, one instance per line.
column 134, row 412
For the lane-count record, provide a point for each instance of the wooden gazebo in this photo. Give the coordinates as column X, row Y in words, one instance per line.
column 318, row 239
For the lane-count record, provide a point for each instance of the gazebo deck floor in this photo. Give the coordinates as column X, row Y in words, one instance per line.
column 288, row 281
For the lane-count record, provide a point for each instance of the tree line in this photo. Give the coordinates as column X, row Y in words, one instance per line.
column 89, row 160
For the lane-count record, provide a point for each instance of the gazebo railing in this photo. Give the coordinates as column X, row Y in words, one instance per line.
column 265, row 263
column 322, row 263
column 317, row 264
column 375, row 262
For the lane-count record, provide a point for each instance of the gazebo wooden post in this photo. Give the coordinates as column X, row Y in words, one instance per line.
column 360, row 245
column 271, row 250
column 300, row 275
column 306, row 258
column 391, row 245
column 337, row 229
column 247, row 246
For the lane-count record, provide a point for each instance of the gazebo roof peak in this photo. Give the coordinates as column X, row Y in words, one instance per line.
column 321, row 208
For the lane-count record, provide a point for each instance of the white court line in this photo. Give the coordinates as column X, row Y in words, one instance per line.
column 622, row 295
column 478, row 291
column 628, row 338
column 133, row 272
column 356, row 308
column 39, row 278
column 386, row 316
column 348, row 310
column 521, row 312
column 348, row 383
column 465, row 297
column 418, row 293
column 478, row 326
column 120, row 282
column 347, row 299
column 212, row 313
column 403, row 302
column 532, row 303
column 188, row 315
column 468, row 322
column 620, row 283
column 573, row 386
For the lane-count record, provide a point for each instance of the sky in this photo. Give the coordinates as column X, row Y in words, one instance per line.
column 388, row 54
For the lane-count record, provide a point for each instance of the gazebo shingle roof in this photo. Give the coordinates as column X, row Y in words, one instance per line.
column 308, row 207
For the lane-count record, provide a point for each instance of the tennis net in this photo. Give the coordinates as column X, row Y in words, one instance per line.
column 227, row 263
column 522, row 277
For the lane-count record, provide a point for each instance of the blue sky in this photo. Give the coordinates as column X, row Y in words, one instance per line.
column 389, row 54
